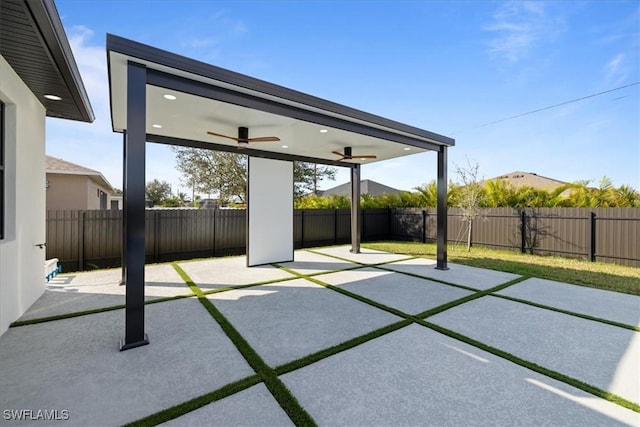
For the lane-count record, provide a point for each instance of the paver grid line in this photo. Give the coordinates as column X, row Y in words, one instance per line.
column 196, row 403
column 500, row 353
column 281, row 394
column 569, row 312
column 492, row 292
column 611, row 397
column 269, row 375
column 35, row 321
column 363, row 264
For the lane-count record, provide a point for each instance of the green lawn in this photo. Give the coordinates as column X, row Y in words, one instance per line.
column 611, row 277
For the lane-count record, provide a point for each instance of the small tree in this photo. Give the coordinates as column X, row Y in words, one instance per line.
column 471, row 196
column 307, row 176
column 157, row 191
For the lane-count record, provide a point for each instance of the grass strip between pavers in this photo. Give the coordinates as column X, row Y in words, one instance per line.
column 480, row 294
column 364, row 264
column 346, row 345
column 570, row 313
column 196, row 403
column 153, row 301
column 283, row 396
column 93, row 311
column 611, row 397
column 419, row 319
column 433, row 279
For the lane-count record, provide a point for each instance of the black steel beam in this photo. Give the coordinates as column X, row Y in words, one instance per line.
column 134, row 207
column 355, row 210
column 169, row 140
column 441, row 257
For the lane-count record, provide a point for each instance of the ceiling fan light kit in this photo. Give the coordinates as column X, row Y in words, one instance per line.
column 243, row 139
column 348, row 155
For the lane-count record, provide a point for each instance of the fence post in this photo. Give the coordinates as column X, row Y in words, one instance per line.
column 81, row 240
column 523, row 231
column 424, row 226
column 302, row 228
column 363, row 229
column 214, row 231
column 335, row 227
column 592, row 237
column 389, row 222
column 156, row 234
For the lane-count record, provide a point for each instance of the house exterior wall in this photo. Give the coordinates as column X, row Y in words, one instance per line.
column 74, row 192
column 21, row 261
column 67, row 192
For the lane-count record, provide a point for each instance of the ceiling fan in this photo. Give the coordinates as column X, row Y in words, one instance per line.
column 243, row 139
column 348, row 155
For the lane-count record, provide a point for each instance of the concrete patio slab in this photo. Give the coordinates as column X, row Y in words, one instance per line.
column 70, row 293
column 477, row 278
column 288, row 320
column 409, row 294
column 602, row 355
column 311, row 263
column 366, row 256
column 623, row 308
column 415, row 376
column 74, row 364
column 223, row 272
column 254, row 406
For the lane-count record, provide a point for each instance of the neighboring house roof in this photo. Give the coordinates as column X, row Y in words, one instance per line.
column 520, row 179
column 59, row 166
column 367, row 186
column 33, row 42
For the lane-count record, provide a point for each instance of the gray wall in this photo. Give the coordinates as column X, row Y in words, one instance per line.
column 83, row 240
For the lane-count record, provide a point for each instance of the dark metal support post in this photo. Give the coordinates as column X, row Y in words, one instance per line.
column 123, row 247
column 523, row 232
column 134, row 207
column 355, row 209
column 441, row 258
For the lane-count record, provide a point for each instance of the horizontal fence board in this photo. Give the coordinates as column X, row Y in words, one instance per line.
column 93, row 239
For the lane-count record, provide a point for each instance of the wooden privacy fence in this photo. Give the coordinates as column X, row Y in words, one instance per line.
column 84, row 240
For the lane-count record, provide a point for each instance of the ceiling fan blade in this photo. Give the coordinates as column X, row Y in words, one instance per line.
column 338, row 154
column 223, row 136
column 264, row 139
column 364, row 157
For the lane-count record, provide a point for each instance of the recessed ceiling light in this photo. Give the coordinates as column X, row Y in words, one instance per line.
column 285, row 146
column 323, row 131
column 169, row 97
column 157, row 126
column 53, row 97
column 407, row 148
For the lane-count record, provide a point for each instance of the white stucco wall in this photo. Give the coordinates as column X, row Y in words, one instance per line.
column 21, row 262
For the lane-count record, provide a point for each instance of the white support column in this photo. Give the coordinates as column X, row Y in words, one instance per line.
column 269, row 211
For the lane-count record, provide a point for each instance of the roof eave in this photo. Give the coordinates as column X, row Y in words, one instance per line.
column 47, row 19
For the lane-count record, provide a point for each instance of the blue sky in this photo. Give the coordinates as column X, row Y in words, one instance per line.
column 449, row 67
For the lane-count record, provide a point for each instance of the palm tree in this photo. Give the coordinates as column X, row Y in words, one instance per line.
column 428, row 195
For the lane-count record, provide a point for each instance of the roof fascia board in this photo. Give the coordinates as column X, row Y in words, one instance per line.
column 188, row 65
column 162, row 139
column 95, row 176
column 47, row 20
column 193, row 87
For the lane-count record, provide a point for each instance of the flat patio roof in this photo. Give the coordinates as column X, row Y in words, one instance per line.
column 210, row 98
column 158, row 96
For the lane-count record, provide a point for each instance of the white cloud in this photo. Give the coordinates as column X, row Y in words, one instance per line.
column 617, row 69
column 519, row 26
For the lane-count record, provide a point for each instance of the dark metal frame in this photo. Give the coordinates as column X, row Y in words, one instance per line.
column 135, row 138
